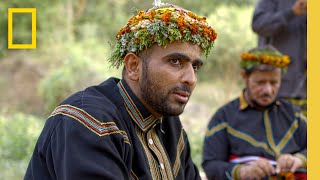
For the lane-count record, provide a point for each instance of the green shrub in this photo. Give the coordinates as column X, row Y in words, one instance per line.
column 196, row 143
column 232, row 23
column 61, row 82
column 77, row 70
column 18, row 135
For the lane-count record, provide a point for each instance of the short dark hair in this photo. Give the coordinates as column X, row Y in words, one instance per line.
column 144, row 55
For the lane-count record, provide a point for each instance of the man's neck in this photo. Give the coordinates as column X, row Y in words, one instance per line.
column 136, row 90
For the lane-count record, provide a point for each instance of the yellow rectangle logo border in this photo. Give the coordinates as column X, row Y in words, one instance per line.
column 33, row 12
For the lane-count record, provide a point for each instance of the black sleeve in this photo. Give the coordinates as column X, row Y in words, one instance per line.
column 68, row 148
column 301, row 137
column 216, row 149
column 267, row 21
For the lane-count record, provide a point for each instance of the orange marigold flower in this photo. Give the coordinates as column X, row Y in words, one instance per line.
column 272, row 59
column 120, row 32
column 212, row 35
column 245, row 56
column 166, row 17
column 181, row 22
column 205, row 31
column 203, row 19
column 286, row 59
column 194, row 28
column 275, row 60
column 182, row 28
column 136, row 40
column 132, row 20
column 192, row 15
column 141, row 14
column 251, row 57
column 266, row 59
column 260, row 58
column 124, row 30
column 151, row 15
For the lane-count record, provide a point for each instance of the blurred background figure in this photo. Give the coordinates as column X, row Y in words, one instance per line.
column 283, row 23
column 257, row 135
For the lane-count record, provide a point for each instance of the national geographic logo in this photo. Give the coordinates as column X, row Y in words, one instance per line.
column 33, row 43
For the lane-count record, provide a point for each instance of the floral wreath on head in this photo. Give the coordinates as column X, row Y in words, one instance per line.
column 162, row 25
column 264, row 55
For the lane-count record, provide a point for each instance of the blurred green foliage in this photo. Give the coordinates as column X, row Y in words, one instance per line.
column 76, row 71
column 234, row 37
column 73, row 74
column 18, row 134
column 196, row 143
column 22, row 137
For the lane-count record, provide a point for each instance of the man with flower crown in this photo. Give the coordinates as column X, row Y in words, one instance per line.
column 129, row 128
column 257, row 135
column 283, row 24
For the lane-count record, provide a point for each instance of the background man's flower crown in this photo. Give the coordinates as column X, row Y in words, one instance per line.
column 264, row 55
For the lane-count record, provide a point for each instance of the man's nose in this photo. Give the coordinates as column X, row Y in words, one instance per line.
column 189, row 76
column 267, row 88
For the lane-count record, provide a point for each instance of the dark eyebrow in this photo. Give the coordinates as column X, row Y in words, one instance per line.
column 197, row 61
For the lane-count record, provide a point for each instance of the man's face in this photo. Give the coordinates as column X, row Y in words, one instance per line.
column 262, row 87
column 169, row 76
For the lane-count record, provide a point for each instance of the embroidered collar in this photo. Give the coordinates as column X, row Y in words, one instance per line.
column 244, row 104
column 140, row 115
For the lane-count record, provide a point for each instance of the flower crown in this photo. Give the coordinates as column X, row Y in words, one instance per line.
column 162, row 24
column 265, row 55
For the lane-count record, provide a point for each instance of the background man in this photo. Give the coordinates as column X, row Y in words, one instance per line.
column 283, row 24
column 256, row 135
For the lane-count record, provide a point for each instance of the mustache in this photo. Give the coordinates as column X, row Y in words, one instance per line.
column 266, row 95
column 182, row 88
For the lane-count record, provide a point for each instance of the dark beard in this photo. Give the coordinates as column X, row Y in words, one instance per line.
column 254, row 103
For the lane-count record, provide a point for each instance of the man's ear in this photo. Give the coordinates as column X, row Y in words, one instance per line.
column 133, row 66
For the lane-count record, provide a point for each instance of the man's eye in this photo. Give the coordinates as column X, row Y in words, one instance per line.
column 196, row 68
column 175, row 61
column 260, row 83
